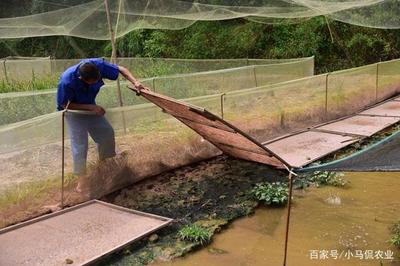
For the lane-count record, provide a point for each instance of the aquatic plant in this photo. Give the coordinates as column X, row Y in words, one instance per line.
column 327, row 178
column 195, row 233
column 395, row 240
column 271, row 193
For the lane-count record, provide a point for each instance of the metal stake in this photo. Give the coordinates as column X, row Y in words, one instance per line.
column 377, row 82
column 326, row 96
column 62, row 158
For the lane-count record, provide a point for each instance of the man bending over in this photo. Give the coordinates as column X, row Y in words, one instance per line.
column 77, row 90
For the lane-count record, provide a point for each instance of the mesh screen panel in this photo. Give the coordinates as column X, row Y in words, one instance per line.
column 155, row 142
column 351, row 90
column 388, row 79
column 19, row 106
column 273, row 110
column 30, row 169
column 27, row 69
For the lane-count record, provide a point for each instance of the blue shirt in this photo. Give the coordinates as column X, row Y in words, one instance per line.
column 72, row 88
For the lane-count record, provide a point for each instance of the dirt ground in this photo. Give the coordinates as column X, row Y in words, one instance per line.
column 210, row 193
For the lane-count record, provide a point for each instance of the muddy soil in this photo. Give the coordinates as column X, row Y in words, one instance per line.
column 209, row 193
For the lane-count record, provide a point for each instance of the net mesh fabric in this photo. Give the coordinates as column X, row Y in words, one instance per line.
column 18, row 106
column 88, row 19
column 29, row 68
column 154, row 141
column 270, row 111
column 16, row 69
column 382, row 156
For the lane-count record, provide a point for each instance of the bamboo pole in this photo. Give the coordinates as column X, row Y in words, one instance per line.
column 113, row 46
column 114, row 55
column 255, row 76
column 5, row 70
column 222, row 105
column 289, row 205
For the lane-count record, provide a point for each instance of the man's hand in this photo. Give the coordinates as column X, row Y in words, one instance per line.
column 139, row 86
column 128, row 75
column 98, row 110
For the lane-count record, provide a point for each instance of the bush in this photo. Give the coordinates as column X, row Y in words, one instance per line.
column 195, row 233
column 275, row 193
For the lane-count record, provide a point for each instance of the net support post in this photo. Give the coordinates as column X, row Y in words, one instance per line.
column 5, row 69
column 377, row 82
column 326, row 95
column 255, row 76
column 114, row 57
column 154, row 84
column 222, row 97
column 62, row 157
column 289, row 205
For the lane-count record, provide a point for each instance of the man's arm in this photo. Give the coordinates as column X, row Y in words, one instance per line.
column 128, row 75
column 86, row 107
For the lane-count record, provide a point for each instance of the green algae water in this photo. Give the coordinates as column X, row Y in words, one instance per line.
column 329, row 226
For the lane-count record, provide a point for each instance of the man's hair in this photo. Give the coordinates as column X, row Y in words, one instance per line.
column 89, row 71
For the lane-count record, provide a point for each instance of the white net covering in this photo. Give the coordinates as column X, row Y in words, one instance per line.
column 88, row 19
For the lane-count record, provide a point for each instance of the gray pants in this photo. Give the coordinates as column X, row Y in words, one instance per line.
column 99, row 129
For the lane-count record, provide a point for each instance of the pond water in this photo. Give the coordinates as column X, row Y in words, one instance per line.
column 329, row 226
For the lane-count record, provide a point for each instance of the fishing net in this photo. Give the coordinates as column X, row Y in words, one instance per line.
column 88, row 19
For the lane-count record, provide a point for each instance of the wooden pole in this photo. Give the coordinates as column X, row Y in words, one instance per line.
column 114, row 55
column 289, row 205
column 113, row 46
column 222, row 105
column 255, row 76
column 5, row 70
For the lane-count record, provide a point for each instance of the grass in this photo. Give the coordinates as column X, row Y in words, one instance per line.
column 276, row 193
column 27, row 190
column 34, row 189
column 195, row 233
column 30, row 193
column 35, row 84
